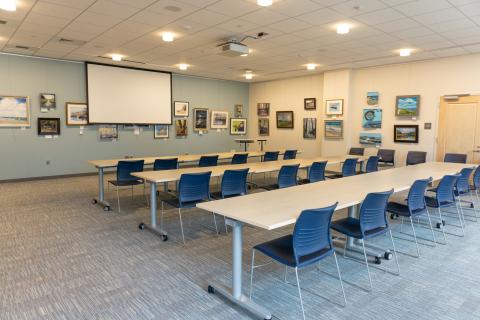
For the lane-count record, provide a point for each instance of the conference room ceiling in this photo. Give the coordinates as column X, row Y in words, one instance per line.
column 299, row 32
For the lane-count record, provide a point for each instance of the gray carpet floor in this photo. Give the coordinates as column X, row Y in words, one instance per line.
column 63, row 258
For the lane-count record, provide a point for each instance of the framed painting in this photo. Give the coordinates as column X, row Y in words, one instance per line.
column 407, row 106
column 219, row 120
column 160, row 131
column 200, row 119
column 285, row 119
column 310, row 103
column 14, row 111
column 181, row 128
column 47, row 102
column 310, row 128
column 263, row 127
column 238, row 126
column 77, row 114
column 334, row 107
column 405, row 133
column 263, row 109
column 372, row 98
column 180, row 108
column 372, row 118
column 333, row 129
column 108, row 132
column 48, row 126
column 371, row 138
column 238, row 110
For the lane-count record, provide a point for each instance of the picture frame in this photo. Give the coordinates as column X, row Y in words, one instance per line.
column 310, row 103
column 160, row 131
column 47, row 102
column 263, row 109
column 370, row 138
column 372, row 118
column 14, row 111
column 263, row 126
column 406, row 133
column 181, row 108
column 219, row 119
column 76, row 114
column 238, row 111
column 48, row 126
column 285, row 119
column 407, row 106
column 238, row 126
column 334, row 107
column 333, row 129
column 200, row 119
column 309, row 128
column 108, row 132
column 181, row 128
column 372, row 98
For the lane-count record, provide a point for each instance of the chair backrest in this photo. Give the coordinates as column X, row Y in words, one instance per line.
column 289, row 154
column 125, row 168
column 349, row 167
column 445, row 188
column 356, row 151
column 208, row 161
column 476, row 178
column 234, row 182
column 270, row 156
column 416, row 157
column 239, row 158
column 316, row 172
column 312, row 232
column 455, row 158
column 287, row 177
column 462, row 185
column 386, row 155
column 372, row 212
column 416, row 195
column 194, row 187
column 372, row 164
column 165, row 164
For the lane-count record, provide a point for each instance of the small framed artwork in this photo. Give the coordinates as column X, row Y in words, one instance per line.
column 370, row 138
column 405, row 133
column 285, row 119
column 200, row 119
column 372, row 98
column 14, row 111
column 334, row 107
column 47, row 102
column 333, row 129
column 310, row 128
column 238, row 126
column 238, row 110
column 48, row 126
column 407, row 106
column 310, row 103
column 263, row 127
column 219, row 120
column 181, row 128
column 427, row 126
column 108, row 132
column 160, row 131
column 180, row 108
column 372, row 118
column 77, row 114
column 263, row 109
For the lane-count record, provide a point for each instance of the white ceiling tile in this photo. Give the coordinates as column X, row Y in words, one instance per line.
column 379, row 16
column 237, row 25
column 113, row 9
column 264, row 17
column 418, row 7
column 152, row 18
column 439, row 16
column 208, row 18
column 471, row 9
column 173, row 8
column 450, row 52
column 356, row 7
column 290, row 25
column 397, row 25
column 412, row 32
column 473, row 48
column 233, row 8
column 55, row 10
column 321, row 17
column 78, row 4
column 293, row 8
column 452, row 25
column 98, row 19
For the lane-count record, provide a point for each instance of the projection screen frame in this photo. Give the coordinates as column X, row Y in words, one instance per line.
column 133, row 68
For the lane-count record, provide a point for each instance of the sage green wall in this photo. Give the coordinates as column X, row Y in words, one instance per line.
column 24, row 154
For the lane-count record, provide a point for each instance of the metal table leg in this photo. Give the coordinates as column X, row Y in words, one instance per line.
column 101, row 192
column 234, row 294
column 153, row 215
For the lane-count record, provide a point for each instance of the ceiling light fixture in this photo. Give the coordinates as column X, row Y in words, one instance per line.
column 264, row 3
column 311, row 66
column 248, row 74
column 343, row 28
column 183, row 66
column 8, row 5
column 167, row 36
column 117, row 57
column 405, row 52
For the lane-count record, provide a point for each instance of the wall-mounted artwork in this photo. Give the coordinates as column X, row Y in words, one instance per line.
column 160, row 131
column 310, row 128
column 407, row 106
column 180, row 109
column 219, row 120
column 14, row 111
column 263, row 109
column 181, row 128
column 47, row 102
column 333, row 129
column 372, row 98
column 334, row 107
column 310, row 103
column 285, row 119
column 370, row 138
column 372, row 118
column 200, row 119
column 77, row 114
column 405, row 133
column 238, row 126
column 238, row 110
column 48, row 126
column 108, row 132
column 263, row 127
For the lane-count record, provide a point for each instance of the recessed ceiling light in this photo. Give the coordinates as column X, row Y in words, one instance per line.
column 248, row 76
column 167, row 36
column 8, row 5
column 311, row 66
column 264, row 3
column 405, row 52
column 183, row 66
column 117, row 57
column 343, row 28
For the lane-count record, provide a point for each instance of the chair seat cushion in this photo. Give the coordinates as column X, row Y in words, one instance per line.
column 125, row 183
column 174, row 202
column 351, row 227
column 281, row 250
column 432, row 202
column 401, row 209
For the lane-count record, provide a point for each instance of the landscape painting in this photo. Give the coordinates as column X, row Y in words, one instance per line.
column 334, row 129
column 334, row 107
column 372, row 98
column 219, row 120
column 108, row 132
column 160, row 131
column 48, row 126
column 238, row 126
column 14, row 111
column 285, row 119
column 406, row 133
column 370, row 138
column 200, row 119
column 407, row 106
column 77, row 114
column 372, row 118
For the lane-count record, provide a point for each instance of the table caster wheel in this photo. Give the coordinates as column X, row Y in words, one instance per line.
column 388, row 256
column 472, row 206
column 106, row 208
column 393, row 216
column 378, row 260
column 439, row 225
column 164, row 237
column 94, row 201
column 211, row 290
column 443, row 222
column 141, row 226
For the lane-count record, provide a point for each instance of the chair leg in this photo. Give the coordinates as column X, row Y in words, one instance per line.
column 285, row 276
column 340, row 278
column 401, row 225
column 415, row 237
column 161, row 217
column 345, row 247
column 251, row 274
column 215, row 222
column 431, row 228
column 395, row 251
column 300, row 293
column 181, row 224
column 460, row 214
column 441, row 222
column 366, row 263
column 118, row 200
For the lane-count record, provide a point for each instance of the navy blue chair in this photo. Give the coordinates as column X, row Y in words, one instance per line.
column 372, row 222
column 349, row 168
column 125, row 179
column 239, row 158
column 356, row 151
column 462, row 189
column 310, row 243
column 287, row 177
column 476, row 183
column 416, row 157
column 270, row 156
column 193, row 188
column 372, row 164
column 387, row 157
column 165, row 164
column 208, row 161
column 289, row 154
column 316, row 172
column 455, row 158
column 414, row 208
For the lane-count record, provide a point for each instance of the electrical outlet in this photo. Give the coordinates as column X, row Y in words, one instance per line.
column 47, row 162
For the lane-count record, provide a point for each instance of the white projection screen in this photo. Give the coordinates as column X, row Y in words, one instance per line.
column 119, row 95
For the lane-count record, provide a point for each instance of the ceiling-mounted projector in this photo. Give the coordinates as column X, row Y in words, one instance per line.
column 234, row 48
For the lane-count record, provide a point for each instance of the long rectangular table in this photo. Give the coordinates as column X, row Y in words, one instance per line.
column 280, row 208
